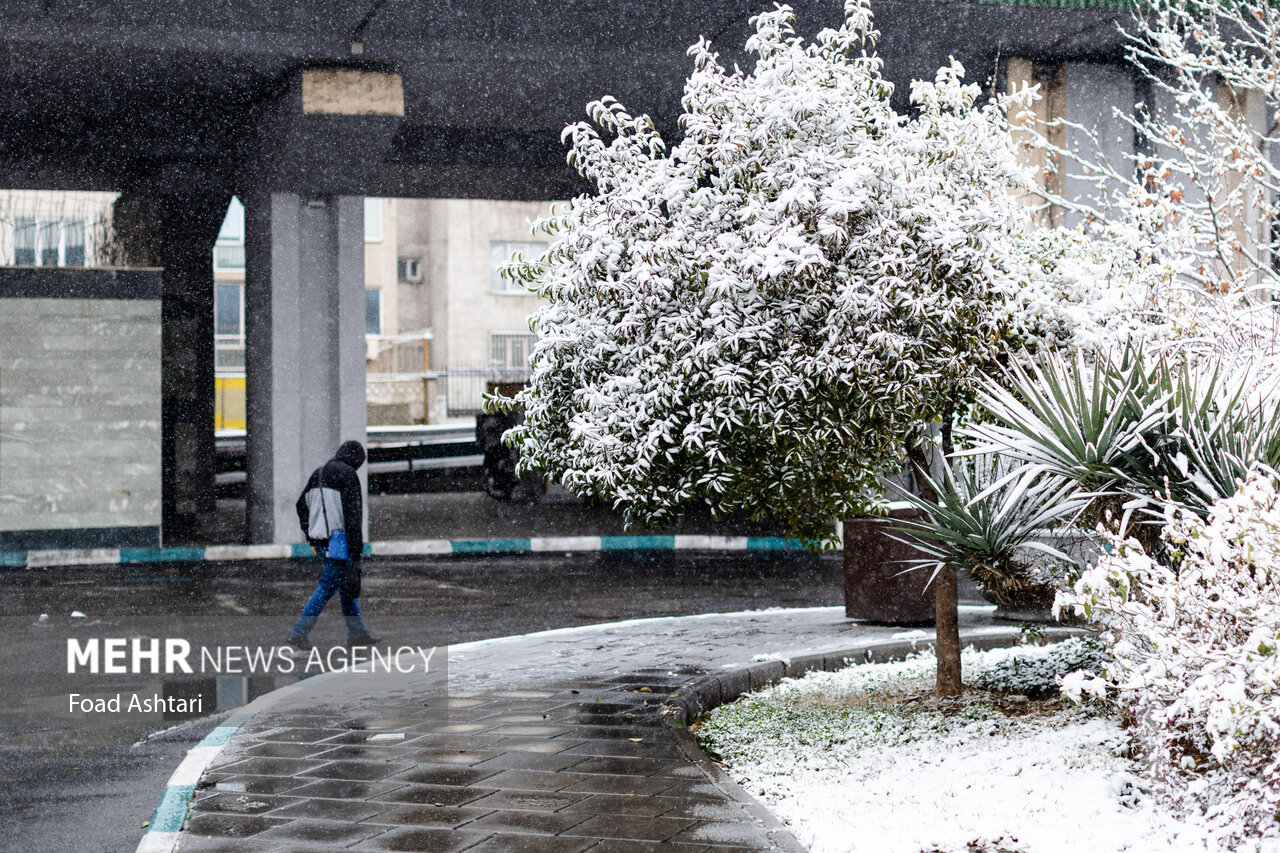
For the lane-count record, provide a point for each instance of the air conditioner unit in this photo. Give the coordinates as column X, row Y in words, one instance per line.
column 410, row 270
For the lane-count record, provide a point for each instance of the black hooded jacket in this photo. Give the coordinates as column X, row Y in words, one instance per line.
column 333, row 493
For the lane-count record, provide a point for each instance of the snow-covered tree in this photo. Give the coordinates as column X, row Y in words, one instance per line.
column 765, row 316
column 1208, row 163
column 769, row 315
column 1215, row 68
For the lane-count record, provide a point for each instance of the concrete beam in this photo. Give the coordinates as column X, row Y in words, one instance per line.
column 324, row 132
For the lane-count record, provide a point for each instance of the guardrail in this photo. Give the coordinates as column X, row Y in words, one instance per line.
column 394, row 451
column 381, row 435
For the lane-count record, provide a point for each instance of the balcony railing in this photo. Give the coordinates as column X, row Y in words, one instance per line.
column 228, row 353
column 398, row 354
column 465, row 387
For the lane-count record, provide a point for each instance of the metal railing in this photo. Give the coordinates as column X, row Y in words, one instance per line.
column 406, row 359
column 465, row 387
column 510, row 348
column 399, row 354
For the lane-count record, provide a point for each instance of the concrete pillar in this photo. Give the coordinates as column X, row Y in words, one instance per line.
column 1092, row 90
column 176, row 230
column 304, row 347
column 1039, row 121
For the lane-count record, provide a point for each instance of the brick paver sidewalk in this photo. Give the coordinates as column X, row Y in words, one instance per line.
column 551, row 742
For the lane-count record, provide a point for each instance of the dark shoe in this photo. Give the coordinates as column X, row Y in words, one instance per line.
column 365, row 639
column 301, row 643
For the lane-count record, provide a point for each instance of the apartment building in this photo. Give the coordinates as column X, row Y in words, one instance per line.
column 441, row 325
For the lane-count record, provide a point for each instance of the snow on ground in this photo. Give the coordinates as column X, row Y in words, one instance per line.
column 836, row 758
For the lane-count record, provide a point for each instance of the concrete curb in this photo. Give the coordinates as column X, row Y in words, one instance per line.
column 707, row 693
column 777, row 831
column 411, row 548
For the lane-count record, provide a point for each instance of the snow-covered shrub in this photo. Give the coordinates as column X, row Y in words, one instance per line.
column 1070, row 417
column 1035, row 670
column 1196, row 648
column 1096, row 289
column 1132, row 429
column 763, row 317
column 1218, row 423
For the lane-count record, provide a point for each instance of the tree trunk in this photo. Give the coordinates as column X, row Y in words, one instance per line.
column 948, row 419
column 946, row 600
column 947, row 624
column 920, row 461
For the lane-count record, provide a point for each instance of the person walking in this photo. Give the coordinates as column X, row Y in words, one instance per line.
column 331, row 501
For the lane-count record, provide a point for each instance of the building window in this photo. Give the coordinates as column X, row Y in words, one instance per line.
column 228, row 257
column 228, row 326
column 228, row 309
column 372, row 312
column 508, row 349
column 73, row 253
column 24, row 242
column 48, row 242
column 373, row 220
column 501, row 253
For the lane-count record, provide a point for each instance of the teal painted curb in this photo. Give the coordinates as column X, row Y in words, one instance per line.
column 171, row 811
column 490, row 546
column 416, row 548
column 221, row 734
column 774, row 543
column 161, row 555
column 637, row 543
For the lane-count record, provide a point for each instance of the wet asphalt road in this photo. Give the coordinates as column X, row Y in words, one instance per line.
column 87, row 782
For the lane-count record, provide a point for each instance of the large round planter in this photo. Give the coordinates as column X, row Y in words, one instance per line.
column 877, row 586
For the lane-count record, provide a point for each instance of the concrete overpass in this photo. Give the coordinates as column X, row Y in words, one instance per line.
column 302, row 106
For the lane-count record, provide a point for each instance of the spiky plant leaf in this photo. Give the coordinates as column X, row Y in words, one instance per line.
column 983, row 519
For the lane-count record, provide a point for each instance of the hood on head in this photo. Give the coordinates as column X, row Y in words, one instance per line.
column 351, row 452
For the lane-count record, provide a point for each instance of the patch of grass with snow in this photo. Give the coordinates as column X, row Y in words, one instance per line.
column 886, row 705
column 833, row 713
column 866, row 760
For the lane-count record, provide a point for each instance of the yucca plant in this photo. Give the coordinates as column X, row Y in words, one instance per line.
column 1134, row 433
column 988, row 514
column 1084, row 422
column 1218, row 427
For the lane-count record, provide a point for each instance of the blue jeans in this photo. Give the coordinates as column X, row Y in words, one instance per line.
column 330, row 582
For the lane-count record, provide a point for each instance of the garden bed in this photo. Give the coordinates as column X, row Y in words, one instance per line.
column 867, row 759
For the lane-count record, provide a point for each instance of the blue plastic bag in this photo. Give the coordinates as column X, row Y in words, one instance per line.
column 337, row 549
